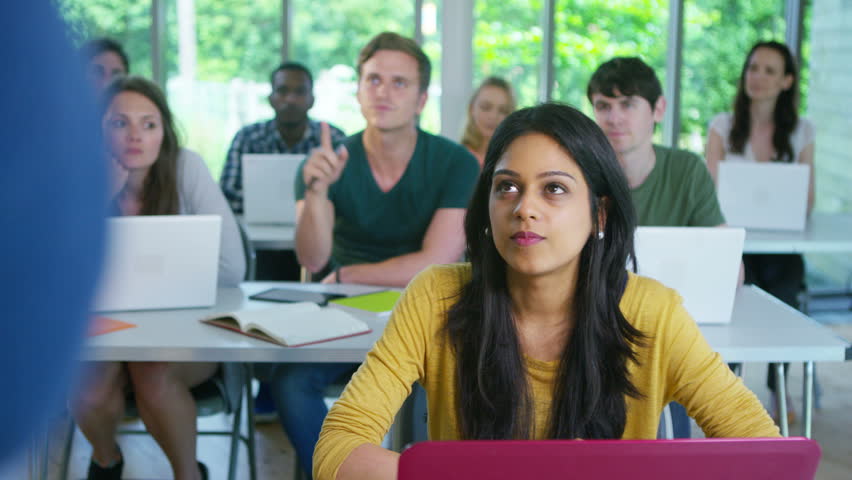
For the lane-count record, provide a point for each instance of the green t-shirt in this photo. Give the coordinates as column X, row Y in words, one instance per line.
column 371, row 225
column 678, row 192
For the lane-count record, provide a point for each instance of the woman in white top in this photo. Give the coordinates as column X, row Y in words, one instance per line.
column 152, row 176
column 765, row 127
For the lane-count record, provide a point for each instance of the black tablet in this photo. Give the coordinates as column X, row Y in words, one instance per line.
column 289, row 295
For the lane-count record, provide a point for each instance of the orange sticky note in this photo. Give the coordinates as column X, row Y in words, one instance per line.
column 102, row 325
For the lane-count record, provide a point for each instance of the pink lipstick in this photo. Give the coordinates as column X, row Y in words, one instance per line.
column 526, row 239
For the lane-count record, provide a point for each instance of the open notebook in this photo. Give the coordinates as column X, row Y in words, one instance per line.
column 292, row 324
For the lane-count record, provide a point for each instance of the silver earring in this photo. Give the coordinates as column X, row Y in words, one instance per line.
column 600, row 235
column 487, row 232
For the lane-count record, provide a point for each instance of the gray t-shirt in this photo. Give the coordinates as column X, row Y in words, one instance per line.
column 200, row 195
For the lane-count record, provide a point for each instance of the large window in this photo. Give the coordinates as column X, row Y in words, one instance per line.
column 717, row 36
column 590, row 32
column 219, row 54
column 507, row 38
column 327, row 36
column 430, row 27
column 128, row 22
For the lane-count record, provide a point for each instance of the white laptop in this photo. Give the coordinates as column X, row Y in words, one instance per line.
column 770, row 196
column 160, row 262
column 702, row 264
column 268, row 187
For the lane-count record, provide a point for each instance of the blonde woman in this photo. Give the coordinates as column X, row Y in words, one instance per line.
column 492, row 101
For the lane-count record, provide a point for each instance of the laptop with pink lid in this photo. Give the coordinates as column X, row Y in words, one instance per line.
column 694, row 459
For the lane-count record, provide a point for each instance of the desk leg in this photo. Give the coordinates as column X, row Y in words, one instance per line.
column 808, row 395
column 737, row 368
column 781, row 389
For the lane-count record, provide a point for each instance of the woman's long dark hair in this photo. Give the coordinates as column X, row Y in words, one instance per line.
column 160, row 192
column 493, row 397
column 785, row 116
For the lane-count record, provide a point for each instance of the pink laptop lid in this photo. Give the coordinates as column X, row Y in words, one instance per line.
column 698, row 459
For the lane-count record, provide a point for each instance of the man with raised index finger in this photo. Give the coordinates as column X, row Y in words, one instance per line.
column 375, row 210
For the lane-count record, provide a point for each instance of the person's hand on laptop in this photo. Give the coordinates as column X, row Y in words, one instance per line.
column 325, row 164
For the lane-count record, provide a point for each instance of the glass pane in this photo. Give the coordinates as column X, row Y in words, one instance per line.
column 126, row 21
column 805, row 61
column 507, row 43
column 430, row 26
column 717, row 36
column 219, row 55
column 588, row 33
column 327, row 36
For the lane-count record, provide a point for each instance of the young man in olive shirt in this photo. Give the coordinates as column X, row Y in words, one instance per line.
column 669, row 187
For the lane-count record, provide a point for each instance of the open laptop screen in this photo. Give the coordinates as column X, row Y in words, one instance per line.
column 160, row 262
column 698, row 459
column 701, row 263
column 268, row 179
column 768, row 196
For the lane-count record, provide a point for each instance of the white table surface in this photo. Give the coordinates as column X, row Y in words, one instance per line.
column 178, row 335
column 824, row 233
column 762, row 329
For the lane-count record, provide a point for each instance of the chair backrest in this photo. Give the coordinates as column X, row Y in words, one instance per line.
column 248, row 250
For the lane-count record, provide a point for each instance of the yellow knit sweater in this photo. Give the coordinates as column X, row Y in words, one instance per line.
column 675, row 365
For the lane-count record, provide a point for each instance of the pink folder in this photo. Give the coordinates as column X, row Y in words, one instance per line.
column 698, row 459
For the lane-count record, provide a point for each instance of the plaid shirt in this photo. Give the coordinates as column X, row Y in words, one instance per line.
column 263, row 137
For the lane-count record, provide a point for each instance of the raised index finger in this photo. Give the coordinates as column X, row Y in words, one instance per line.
column 325, row 136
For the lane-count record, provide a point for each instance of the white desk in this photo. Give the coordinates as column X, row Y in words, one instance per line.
column 824, row 233
column 178, row 336
column 763, row 329
column 271, row 237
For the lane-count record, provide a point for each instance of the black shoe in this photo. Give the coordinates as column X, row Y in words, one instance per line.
column 203, row 469
column 97, row 472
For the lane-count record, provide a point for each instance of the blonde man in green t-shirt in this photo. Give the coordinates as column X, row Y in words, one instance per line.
column 377, row 209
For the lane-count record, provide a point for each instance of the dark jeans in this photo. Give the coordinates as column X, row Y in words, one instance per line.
column 783, row 277
column 680, row 421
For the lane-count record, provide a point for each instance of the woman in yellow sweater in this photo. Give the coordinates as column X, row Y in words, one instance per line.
column 544, row 334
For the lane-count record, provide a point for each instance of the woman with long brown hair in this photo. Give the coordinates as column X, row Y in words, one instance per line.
column 152, row 175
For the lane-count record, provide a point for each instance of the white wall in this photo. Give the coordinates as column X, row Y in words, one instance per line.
column 830, row 102
column 830, row 108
